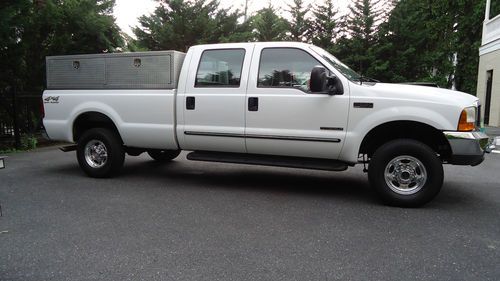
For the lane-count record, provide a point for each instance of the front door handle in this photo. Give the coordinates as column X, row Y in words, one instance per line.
column 190, row 103
column 253, row 104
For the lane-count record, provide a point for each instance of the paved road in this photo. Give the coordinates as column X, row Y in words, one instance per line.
column 199, row 221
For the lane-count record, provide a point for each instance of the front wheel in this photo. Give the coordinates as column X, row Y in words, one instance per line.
column 406, row 173
column 100, row 153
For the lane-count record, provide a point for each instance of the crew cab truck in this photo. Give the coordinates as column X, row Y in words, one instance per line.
column 272, row 103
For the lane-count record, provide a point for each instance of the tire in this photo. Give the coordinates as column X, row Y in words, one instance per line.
column 405, row 173
column 163, row 156
column 91, row 148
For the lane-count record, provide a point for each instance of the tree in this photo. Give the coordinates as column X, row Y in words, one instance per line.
column 298, row 24
column 324, row 28
column 13, row 14
column 431, row 41
column 356, row 46
column 268, row 25
column 32, row 30
column 179, row 24
column 403, row 43
column 470, row 15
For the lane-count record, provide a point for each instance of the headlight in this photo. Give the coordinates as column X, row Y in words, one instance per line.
column 467, row 121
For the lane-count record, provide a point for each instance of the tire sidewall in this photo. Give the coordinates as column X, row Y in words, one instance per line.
column 116, row 154
column 422, row 152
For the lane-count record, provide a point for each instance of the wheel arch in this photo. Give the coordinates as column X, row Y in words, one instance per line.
column 415, row 130
column 93, row 119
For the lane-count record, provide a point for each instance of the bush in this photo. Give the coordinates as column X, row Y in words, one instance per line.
column 28, row 142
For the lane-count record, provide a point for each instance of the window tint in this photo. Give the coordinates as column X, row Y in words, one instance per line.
column 220, row 68
column 286, row 67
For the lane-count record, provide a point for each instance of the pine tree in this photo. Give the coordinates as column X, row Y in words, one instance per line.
column 31, row 30
column 268, row 25
column 324, row 28
column 470, row 15
column 356, row 45
column 298, row 25
column 431, row 41
column 179, row 24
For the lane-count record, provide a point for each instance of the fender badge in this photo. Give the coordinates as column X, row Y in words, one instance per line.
column 51, row 99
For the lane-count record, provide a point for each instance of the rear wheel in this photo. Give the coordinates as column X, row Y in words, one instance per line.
column 163, row 155
column 406, row 173
column 100, row 153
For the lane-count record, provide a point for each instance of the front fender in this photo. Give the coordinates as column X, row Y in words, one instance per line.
column 361, row 124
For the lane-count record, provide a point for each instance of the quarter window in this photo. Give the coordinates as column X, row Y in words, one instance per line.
column 286, row 67
column 220, row 68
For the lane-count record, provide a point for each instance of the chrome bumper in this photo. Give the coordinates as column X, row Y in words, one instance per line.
column 468, row 148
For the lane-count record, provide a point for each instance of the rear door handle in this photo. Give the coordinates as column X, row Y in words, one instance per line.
column 190, row 103
column 253, row 104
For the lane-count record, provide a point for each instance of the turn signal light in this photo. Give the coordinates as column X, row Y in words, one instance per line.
column 467, row 121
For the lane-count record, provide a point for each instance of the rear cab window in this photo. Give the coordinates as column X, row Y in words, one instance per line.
column 220, row 68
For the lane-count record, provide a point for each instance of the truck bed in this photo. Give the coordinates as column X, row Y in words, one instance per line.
column 144, row 118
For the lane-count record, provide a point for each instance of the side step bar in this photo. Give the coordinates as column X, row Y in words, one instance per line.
column 268, row 160
column 68, row 148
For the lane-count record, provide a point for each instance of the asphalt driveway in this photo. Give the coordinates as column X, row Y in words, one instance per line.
column 205, row 221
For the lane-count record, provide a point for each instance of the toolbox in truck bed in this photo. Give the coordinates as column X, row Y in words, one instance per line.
column 141, row 70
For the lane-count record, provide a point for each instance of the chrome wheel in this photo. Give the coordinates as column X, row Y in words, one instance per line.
column 405, row 175
column 96, row 153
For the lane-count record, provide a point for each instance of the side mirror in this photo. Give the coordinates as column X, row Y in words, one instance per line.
column 321, row 83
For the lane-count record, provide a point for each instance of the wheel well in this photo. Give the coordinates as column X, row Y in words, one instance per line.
column 424, row 133
column 89, row 120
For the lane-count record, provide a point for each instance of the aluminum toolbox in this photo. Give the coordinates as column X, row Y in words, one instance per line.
column 141, row 70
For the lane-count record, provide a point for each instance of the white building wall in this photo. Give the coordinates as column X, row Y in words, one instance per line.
column 489, row 59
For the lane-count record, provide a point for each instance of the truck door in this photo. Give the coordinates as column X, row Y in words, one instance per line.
column 282, row 116
column 213, row 103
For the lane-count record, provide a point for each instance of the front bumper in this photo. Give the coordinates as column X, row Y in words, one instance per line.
column 467, row 148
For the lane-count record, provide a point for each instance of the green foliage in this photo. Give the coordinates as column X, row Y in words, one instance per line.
column 433, row 41
column 268, row 25
column 391, row 40
column 31, row 30
column 179, row 24
column 28, row 142
column 299, row 26
column 324, row 28
column 356, row 47
column 470, row 15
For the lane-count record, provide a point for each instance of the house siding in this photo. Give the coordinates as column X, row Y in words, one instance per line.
column 490, row 61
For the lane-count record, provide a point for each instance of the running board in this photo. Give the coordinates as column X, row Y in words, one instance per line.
column 68, row 148
column 268, row 160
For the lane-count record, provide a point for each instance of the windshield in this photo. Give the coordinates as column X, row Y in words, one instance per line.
column 344, row 69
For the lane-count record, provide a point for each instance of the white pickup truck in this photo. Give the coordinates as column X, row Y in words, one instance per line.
column 276, row 103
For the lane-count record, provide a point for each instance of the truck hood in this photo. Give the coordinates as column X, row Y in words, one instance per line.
column 423, row 93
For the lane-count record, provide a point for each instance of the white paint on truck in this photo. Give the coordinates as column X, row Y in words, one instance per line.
column 251, row 106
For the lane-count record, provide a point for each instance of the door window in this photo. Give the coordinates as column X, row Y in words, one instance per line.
column 220, row 68
column 286, row 68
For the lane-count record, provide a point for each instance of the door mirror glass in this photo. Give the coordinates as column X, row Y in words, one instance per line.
column 320, row 82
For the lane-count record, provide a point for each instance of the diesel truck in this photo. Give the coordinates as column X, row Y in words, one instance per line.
column 282, row 104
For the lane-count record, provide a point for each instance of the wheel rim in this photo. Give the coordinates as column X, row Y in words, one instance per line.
column 405, row 175
column 96, row 153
